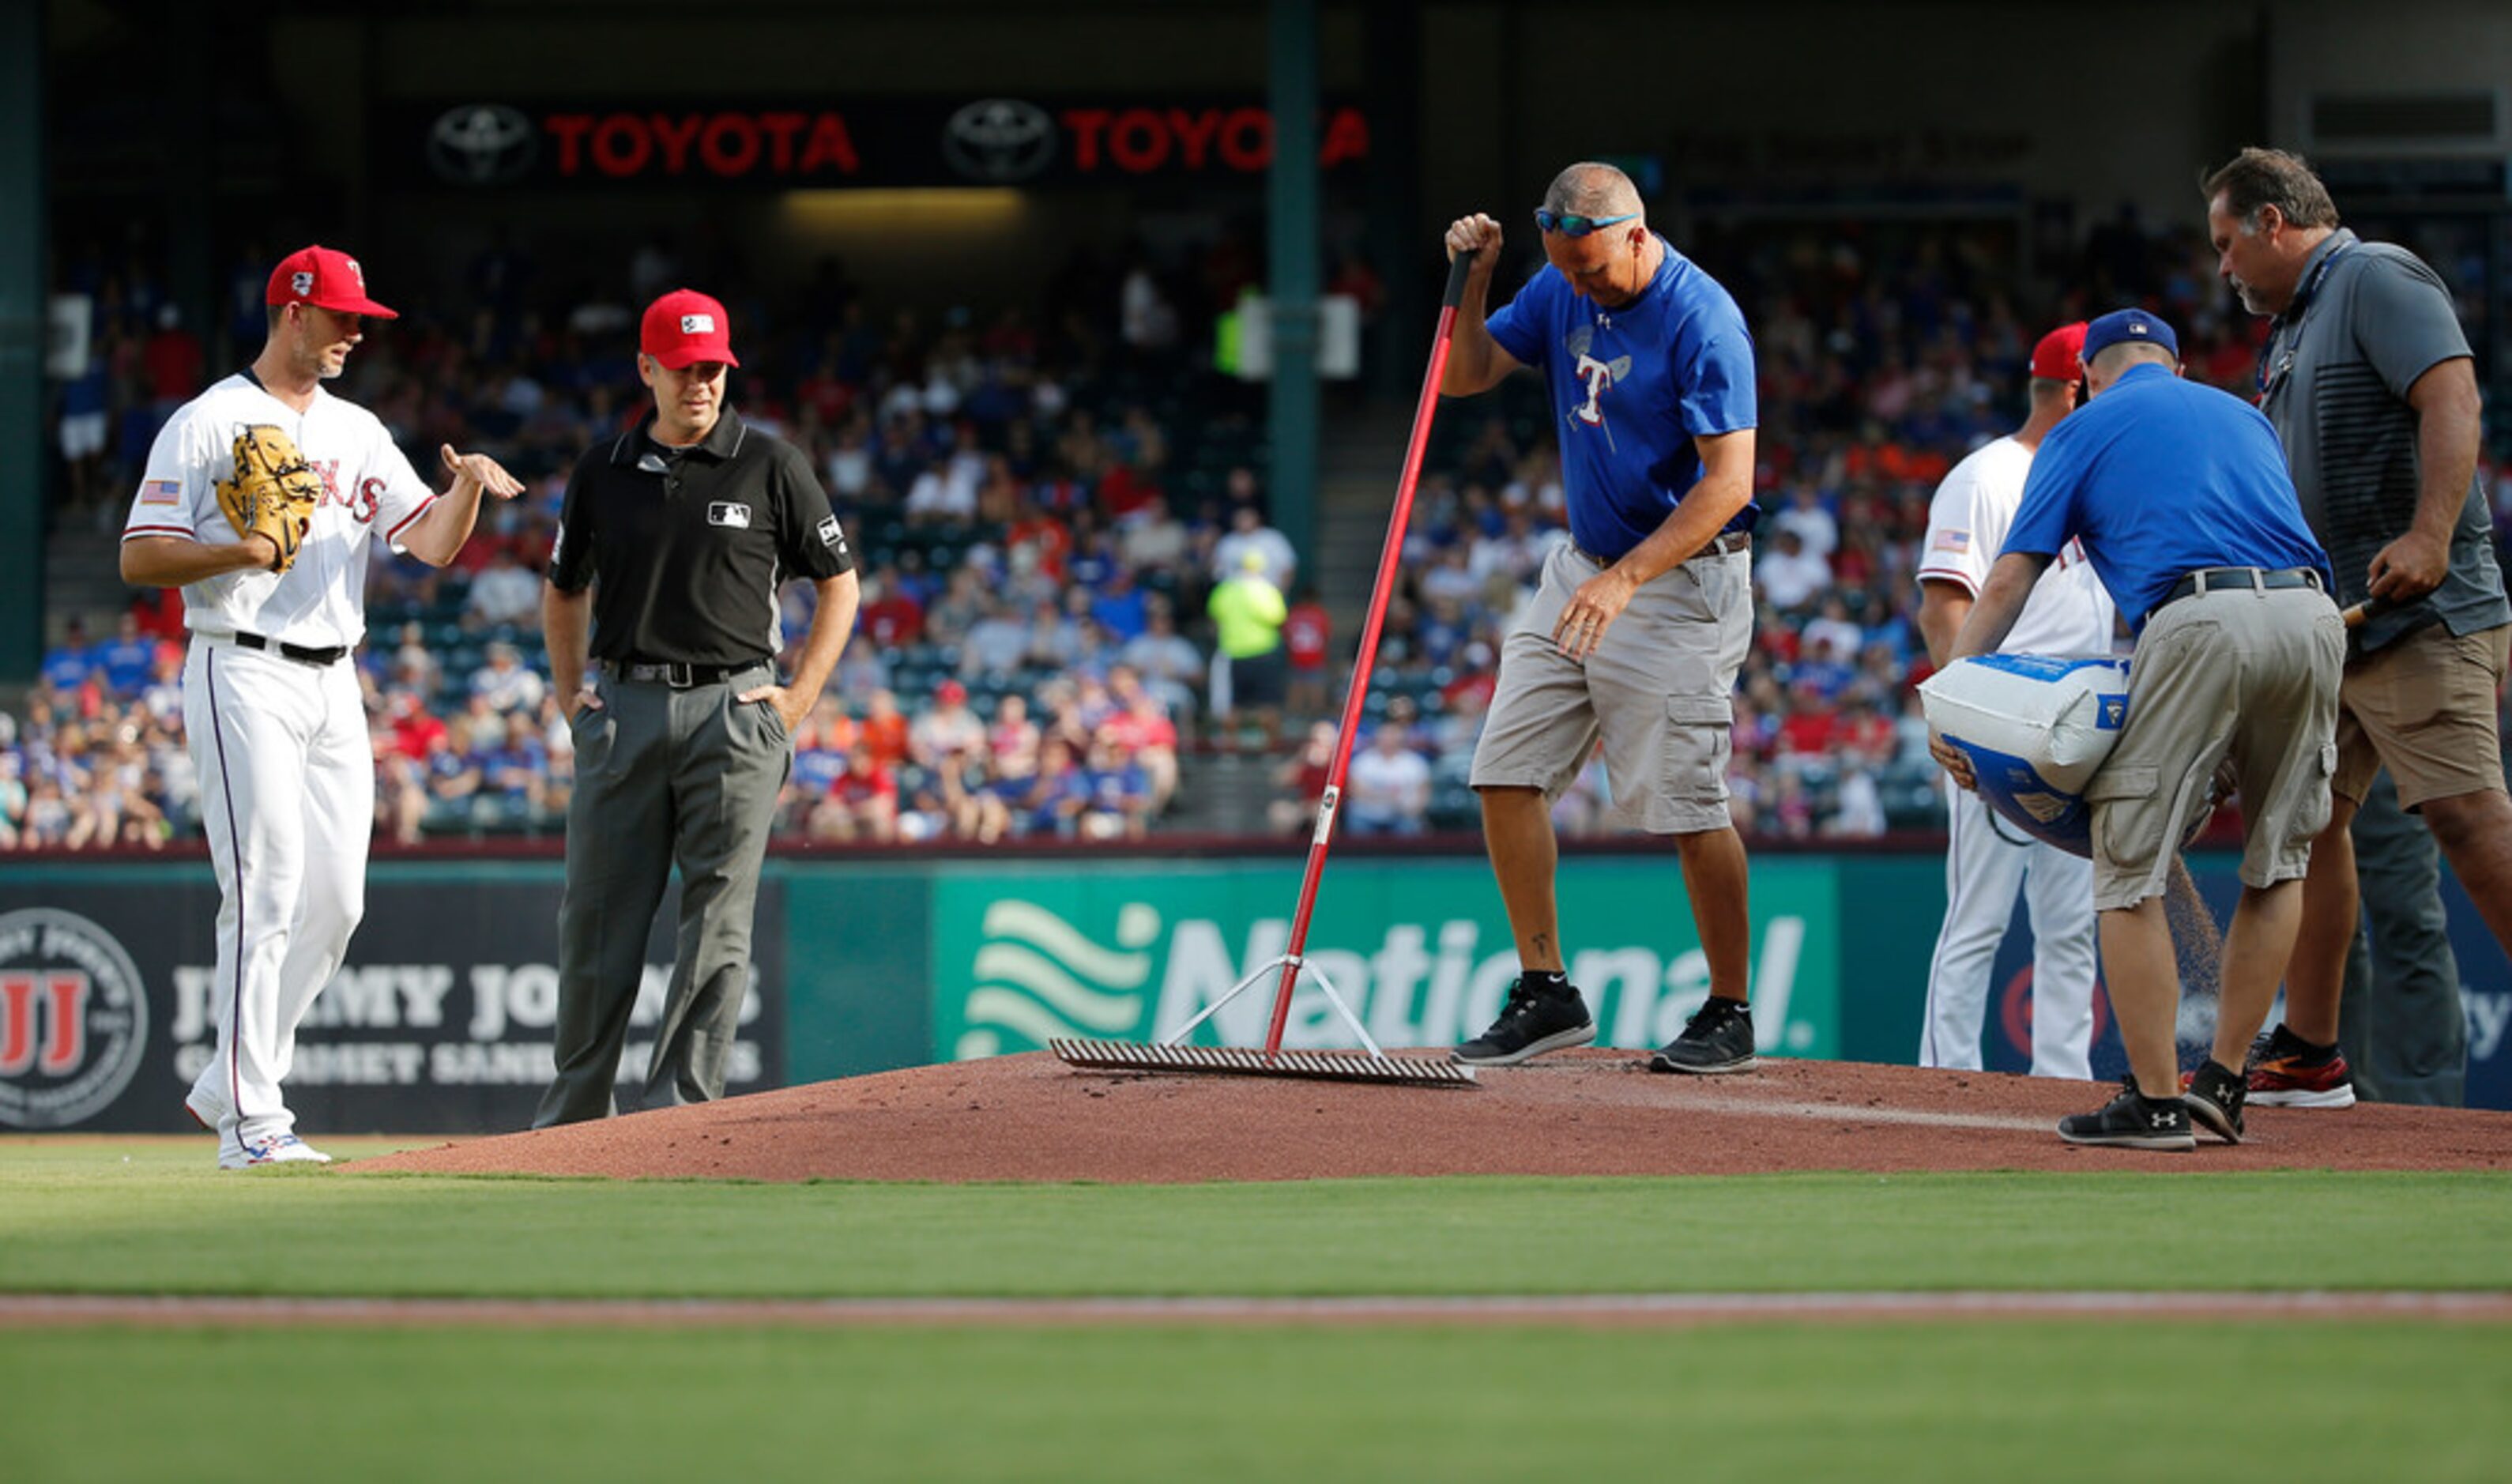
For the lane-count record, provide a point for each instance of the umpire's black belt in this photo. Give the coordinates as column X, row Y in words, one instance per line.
column 304, row 654
column 1720, row 545
column 2217, row 580
column 680, row 677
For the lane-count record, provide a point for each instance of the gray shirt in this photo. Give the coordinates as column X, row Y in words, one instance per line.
column 2367, row 321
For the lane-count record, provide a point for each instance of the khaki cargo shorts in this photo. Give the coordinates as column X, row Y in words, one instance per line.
column 2234, row 676
column 2424, row 705
column 1659, row 691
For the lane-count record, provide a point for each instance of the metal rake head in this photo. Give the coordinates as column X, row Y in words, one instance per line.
column 1329, row 1065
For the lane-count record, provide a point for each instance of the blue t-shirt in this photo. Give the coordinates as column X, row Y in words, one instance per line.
column 126, row 663
column 1632, row 386
column 2162, row 477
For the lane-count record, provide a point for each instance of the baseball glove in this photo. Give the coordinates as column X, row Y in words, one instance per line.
column 273, row 491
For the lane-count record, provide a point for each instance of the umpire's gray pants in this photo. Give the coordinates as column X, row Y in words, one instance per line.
column 661, row 775
column 2399, row 1020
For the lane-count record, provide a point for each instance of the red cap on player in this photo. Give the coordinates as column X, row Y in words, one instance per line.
column 685, row 326
column 2056, row 357
column 327, row 279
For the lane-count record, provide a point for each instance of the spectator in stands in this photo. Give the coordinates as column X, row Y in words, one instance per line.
column 66, row 664
column 1169, row 664
column 1151, row 539
column 883, row 732
column 993, row 646
column 1790, row 577
column 1118, row 795
column 1387, row 790
column 1248, row 533
column 890, row 618
column 1301, row 779
column 948, row 735
column 1247, row 614
column 503, row 591
column 863, row 805
column 1141, row 725
column 505, row 684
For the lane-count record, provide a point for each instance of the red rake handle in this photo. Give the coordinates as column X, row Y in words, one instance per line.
column 1365, row 658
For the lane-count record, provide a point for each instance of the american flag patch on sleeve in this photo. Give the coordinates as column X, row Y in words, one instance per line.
column 1952, row 540
column 161, row 492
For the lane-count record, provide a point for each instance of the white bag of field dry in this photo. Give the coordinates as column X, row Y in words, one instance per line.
column 2036, row 730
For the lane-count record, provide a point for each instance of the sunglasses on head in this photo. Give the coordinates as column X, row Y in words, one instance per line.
column 1572, row 224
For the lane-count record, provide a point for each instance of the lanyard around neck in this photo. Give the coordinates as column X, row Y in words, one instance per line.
column 2287, row 332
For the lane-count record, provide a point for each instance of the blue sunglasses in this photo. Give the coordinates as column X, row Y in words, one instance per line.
column 1572, row 224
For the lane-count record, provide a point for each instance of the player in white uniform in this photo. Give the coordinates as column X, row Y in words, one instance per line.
column 1985, row 862
column 271, row 706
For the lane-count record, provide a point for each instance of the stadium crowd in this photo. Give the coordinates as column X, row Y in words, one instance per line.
column 1061, row 516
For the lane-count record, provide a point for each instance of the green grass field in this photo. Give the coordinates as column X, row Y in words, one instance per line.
column 2008, row 1401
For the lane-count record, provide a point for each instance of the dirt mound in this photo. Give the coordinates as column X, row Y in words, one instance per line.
column 1593, row 1112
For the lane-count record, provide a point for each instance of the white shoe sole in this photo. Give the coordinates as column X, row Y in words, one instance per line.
column 1576, row 1035
column 2169, row 1144
column 2342, row 1097
column 1660, row 1062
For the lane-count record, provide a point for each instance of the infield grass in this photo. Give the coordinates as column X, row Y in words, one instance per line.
column 96, row 1217
column 1947, row 1402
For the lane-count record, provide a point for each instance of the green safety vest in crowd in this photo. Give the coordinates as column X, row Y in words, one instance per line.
column 1247, row 614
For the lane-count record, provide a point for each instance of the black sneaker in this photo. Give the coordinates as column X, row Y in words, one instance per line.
column 2133, row 1120
column 2215, row 1097
column 1718, row 1038
column 1532, row 1022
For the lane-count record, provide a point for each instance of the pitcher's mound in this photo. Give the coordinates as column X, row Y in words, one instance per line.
column 1587, row 1113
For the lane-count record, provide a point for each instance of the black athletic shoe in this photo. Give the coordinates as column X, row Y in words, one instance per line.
column 1718, row 1038
column 2133, row 1120
column 1532, row 1022
column 2215, row 1097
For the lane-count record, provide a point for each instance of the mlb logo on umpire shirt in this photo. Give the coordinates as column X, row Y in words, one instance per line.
column 730, row 513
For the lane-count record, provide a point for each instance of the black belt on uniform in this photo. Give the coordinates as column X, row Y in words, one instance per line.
column 2217, row 580
column 680, row 677
column 1723, row 543
column 304, row 654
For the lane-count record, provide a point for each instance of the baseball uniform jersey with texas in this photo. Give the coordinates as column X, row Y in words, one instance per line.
column 2068, row 611
column 370, row 493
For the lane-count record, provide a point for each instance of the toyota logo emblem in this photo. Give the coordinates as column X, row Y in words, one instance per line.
column 483, row 145
column 999, row 140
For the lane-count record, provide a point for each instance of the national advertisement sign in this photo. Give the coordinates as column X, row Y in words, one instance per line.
column 1418, row 948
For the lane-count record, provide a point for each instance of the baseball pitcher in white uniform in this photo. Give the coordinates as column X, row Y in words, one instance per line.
column 1985, row 862
column 260, row 501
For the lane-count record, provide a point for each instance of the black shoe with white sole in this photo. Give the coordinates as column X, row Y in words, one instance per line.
column 2133, row 1120
column 1718, row 1038
column 1531, row 1020
column 2215, row 1097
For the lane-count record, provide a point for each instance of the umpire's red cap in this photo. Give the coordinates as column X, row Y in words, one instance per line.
column 327, row 279
column 685, row 326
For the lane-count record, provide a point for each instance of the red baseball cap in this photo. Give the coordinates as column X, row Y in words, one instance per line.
column 2057, row 357
column 685, row 326
column 327, row 279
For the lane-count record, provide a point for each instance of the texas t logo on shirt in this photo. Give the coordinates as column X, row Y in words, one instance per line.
column 1598, row 376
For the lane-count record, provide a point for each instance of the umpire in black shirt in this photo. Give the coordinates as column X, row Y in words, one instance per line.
column 671, row 543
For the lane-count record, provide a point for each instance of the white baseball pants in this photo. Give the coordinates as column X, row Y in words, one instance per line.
column 1983, row 870
column 288, row 783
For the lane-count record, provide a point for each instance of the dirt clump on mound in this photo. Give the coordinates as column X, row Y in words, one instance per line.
column 1589, row 1113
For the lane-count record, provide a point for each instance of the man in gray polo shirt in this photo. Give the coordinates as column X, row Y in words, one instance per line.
column 2370, row 383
